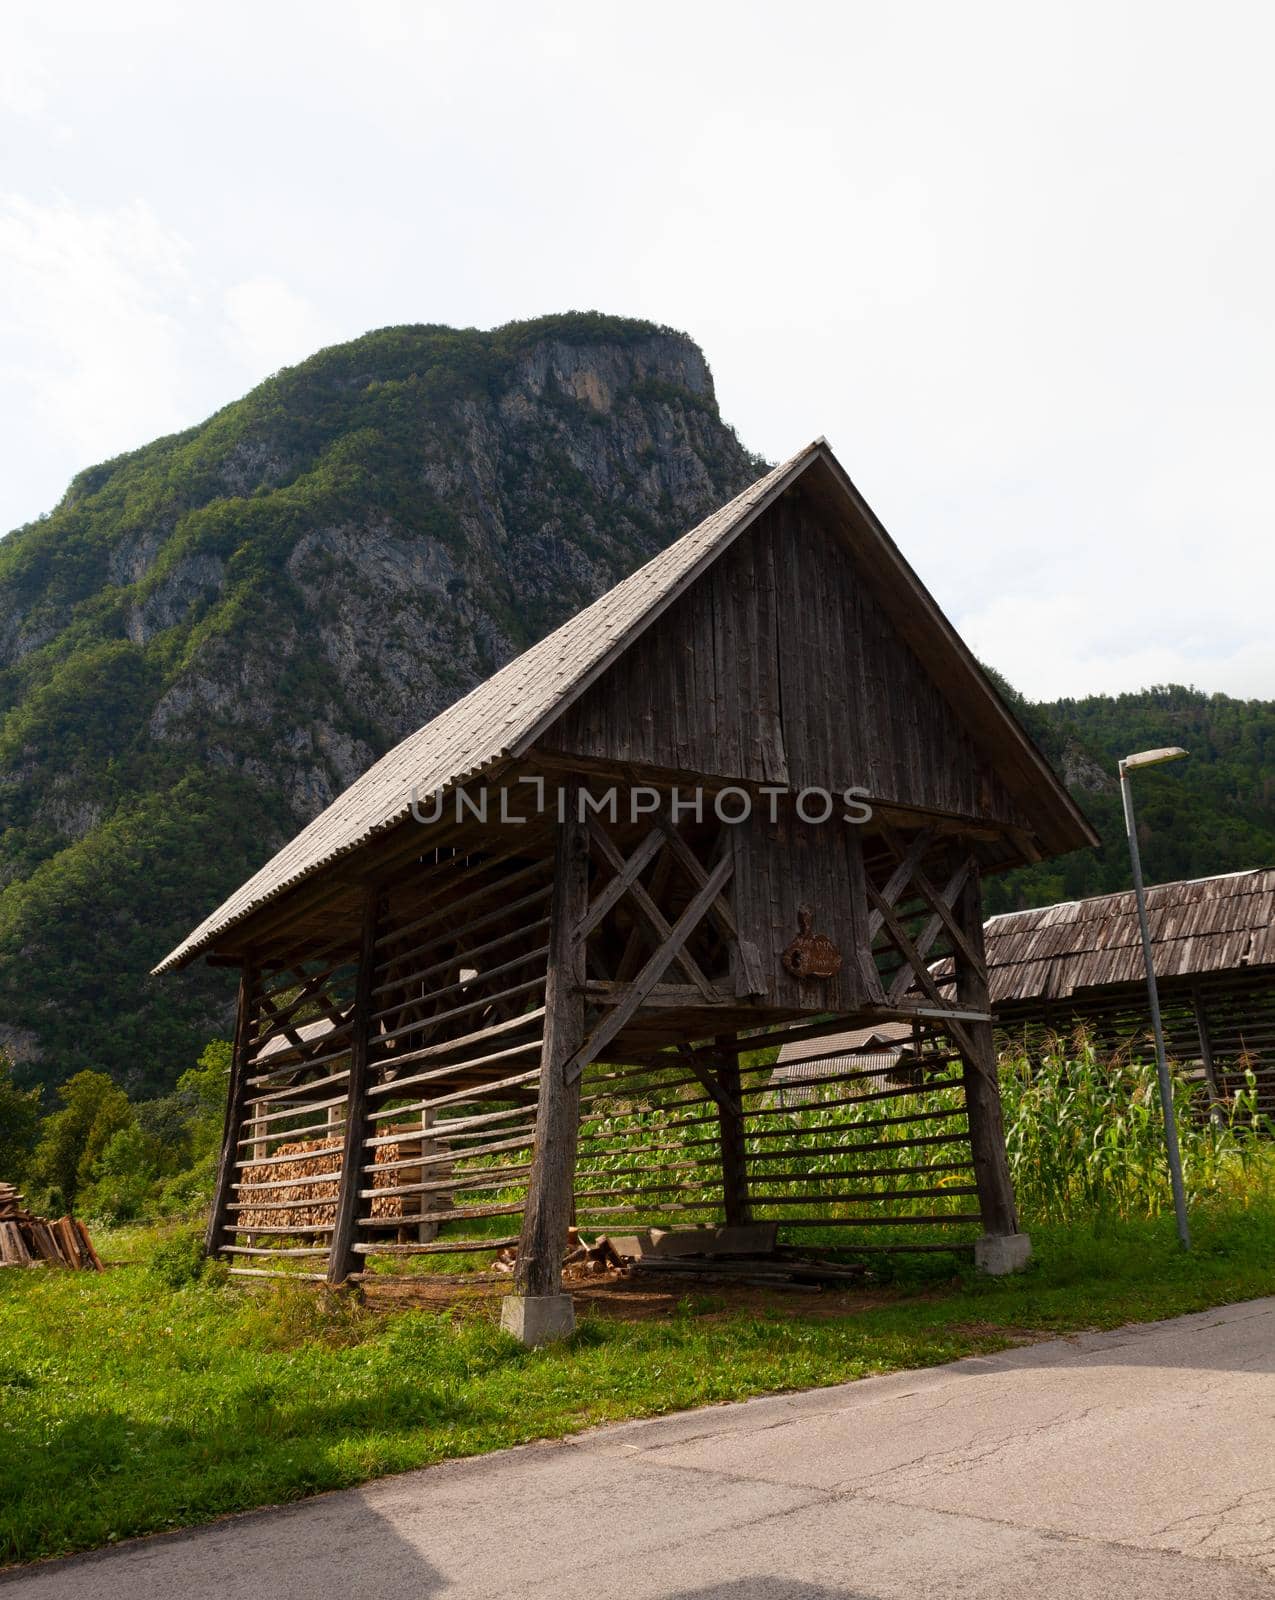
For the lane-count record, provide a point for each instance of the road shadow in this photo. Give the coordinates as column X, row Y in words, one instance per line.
column 253, row 1556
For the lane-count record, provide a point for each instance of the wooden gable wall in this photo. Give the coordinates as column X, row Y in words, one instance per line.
column 779, row 666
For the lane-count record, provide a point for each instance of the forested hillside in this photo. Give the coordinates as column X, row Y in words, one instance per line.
column 1214, row 812
column 210, row 638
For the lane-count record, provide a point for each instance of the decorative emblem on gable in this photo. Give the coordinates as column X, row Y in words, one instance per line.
column 811, row 955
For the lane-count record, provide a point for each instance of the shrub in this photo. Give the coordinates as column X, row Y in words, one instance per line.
column 179, row 1260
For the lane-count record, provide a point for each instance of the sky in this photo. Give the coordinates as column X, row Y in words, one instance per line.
column 1016, row 261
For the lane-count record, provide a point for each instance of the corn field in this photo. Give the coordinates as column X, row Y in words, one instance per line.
column 1085, row 1135
column 1083, row 1130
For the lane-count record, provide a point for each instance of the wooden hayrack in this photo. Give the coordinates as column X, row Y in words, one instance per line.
column 531, row 969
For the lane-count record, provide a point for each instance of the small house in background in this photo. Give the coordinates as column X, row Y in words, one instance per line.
column 1054, row 967
column 806, row 1073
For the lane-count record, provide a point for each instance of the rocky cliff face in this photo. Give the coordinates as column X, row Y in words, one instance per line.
column 210, row 638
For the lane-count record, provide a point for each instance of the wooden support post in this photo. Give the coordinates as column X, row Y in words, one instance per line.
column 537, row 1309
column 1216, row 1112
column 730, row 1129
column 245, row 1027
column 342, row 1258
column 982, row 1096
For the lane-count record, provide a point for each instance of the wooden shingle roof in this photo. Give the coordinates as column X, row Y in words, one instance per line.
column 1199, row 926
column 504, row 716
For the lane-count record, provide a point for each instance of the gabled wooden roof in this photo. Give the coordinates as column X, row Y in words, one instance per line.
column 505, row 716
column 1199, row 926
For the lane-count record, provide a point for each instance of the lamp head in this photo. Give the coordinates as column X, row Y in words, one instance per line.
column 1153, row 758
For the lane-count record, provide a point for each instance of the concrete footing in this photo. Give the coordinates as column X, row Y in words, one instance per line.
column 538, row 1318
column 999, row 1253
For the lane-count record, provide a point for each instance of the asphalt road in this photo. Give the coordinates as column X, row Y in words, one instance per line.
column 1131, row 1464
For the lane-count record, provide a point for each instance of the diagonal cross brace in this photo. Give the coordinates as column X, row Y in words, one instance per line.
column 619, row 1017
column 942, row 907
column 921, row 972
column 750, row 979
column 639, row 897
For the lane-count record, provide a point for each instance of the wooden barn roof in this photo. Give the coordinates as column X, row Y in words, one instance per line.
column 1200, row 926
column 504, row 716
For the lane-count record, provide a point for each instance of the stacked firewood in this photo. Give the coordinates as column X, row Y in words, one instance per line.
column 302, row 1181
column 314, row 1200
column 27, row 1240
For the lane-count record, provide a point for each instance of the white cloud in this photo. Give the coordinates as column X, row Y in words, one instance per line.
column 92, row 331
column 270, row 326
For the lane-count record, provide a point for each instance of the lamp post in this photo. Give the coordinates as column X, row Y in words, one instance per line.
column 1134, row 763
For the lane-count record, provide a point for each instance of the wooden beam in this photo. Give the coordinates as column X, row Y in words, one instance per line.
column 245, row 1019
column 1206, row 1058
column 899, row 879
column 548, row 1208
column 982, row 1083
column 730, row 1131
column 667, row 996
column 921, row 973
column 622, row 881
column 750, row 978
column 341, row 1257
column 650, row 911
column 652, row 972
column 942, row 906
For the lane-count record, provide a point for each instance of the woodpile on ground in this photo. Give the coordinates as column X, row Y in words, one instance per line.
column 28, row 1241
column 582, row 1259
column 746, row 1255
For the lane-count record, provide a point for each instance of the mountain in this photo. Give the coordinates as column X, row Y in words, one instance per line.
column 1212, row 813
column 211, row 637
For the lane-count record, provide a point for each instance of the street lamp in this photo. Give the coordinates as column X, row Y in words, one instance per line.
column 1135, row 763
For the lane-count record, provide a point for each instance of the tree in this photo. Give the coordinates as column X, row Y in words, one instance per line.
column 203, row 1089
column 72, row 1140
column 19, row 1119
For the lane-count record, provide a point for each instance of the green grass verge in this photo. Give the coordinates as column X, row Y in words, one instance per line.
column 128, row 1407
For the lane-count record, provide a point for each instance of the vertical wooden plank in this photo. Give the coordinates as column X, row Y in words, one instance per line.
column 730, row 1131
column 342, row 1259
column 769, row 709
column 1206, row 1056
column 724, row 746
column 982, row 1084
column 245, row 1027
column 547, row 1213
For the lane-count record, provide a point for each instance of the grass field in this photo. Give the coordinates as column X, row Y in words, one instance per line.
column 128, row 1405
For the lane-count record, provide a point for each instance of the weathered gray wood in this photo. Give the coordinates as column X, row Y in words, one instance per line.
column 1206, row 1057
column 748, row 971
column 734, row 1152
column 646, row 905
column 548, row 1207
column 469, row 954
column 459, row 1047
column 621, row 883
column 921, row 979
column 341, row 1260
column 943, row 918
column 236, row 1094
column 982, row 1083
column 614, row 1022
column 900, row 878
